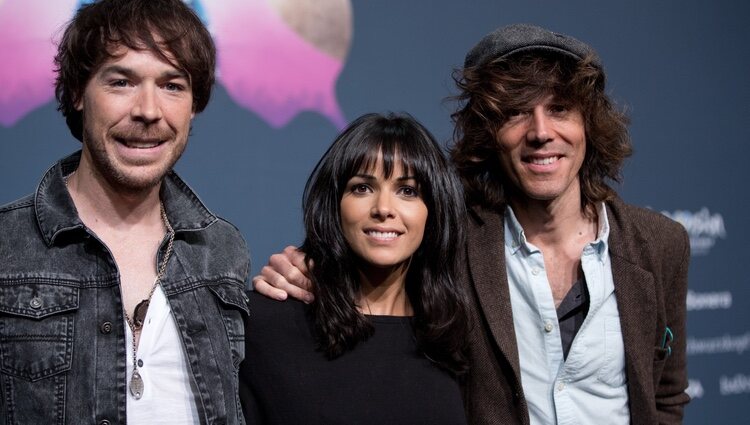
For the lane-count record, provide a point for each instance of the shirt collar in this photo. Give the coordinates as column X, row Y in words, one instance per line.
column 56, row 213
column 515, row 237
column 601, row 244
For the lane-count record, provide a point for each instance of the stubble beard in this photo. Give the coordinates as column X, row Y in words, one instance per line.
column 118, row 178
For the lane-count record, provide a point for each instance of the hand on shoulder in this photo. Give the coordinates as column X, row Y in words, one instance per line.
column 285, row 275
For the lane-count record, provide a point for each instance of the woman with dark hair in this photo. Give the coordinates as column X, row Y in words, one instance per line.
column 383, row 342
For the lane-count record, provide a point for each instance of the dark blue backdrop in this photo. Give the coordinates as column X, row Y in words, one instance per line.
column 680, row 69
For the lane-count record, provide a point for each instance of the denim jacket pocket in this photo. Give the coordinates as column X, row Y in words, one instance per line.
column 36, row 329
column 233, row 304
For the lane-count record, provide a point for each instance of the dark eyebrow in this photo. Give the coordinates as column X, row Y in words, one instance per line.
column 115, row 69
column 166, row 75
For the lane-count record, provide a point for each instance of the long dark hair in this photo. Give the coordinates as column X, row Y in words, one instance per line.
column 489, row 91
column 438, row 303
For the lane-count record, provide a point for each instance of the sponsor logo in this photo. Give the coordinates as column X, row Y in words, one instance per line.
column 709, row 300
column 694, row 389
column 703, row 227
column 723, row 344
column 737, row 384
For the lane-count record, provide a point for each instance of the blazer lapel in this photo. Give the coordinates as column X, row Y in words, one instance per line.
column 486, row 263
column 636, row 303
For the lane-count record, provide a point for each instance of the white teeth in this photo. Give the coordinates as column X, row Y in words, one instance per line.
column 544, row 161
column 142, row 145
column 382, row 235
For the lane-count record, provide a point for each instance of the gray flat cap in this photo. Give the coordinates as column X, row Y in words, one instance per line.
column 517, row 38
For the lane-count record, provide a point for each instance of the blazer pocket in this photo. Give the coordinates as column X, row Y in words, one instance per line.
column 660, row 358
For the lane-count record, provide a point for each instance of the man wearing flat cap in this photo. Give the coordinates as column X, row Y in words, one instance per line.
column 579, row 298
column 594, row 288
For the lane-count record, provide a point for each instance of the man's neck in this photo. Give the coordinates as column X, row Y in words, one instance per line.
column 102, row 207
column 556, row 222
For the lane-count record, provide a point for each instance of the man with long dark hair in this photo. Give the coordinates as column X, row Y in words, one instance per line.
column 579, row 298
column 121, row 296
column 593, row 289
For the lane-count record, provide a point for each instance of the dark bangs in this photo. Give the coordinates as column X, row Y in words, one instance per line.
column 395, row 144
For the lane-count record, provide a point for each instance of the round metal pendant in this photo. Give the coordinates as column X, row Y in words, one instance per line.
column 136, row 385
column 139, row 314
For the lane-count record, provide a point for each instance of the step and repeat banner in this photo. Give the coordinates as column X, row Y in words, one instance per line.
column 291, row 73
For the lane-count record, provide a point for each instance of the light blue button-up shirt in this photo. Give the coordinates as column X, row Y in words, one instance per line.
column 590, row 386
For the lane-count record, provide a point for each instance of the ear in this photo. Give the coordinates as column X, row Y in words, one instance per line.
column 79, row 104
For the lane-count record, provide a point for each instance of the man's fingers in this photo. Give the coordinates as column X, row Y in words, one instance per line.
column 262, row 287
column 291, row 265
column 281, row 278
column 280, row 283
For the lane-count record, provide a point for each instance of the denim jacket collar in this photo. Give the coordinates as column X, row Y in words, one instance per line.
column 56, row 213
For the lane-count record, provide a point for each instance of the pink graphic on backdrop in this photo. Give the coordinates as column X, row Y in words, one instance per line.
column 276, row 58
column 28, row 29
column 269, row 68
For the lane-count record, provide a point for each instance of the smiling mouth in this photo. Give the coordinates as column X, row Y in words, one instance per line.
column 139, row 143
column 382, row 235
column 543, row 161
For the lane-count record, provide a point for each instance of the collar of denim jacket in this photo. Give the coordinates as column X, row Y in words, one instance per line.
column 56, row 213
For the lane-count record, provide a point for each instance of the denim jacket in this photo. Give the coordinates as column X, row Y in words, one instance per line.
column 62, row 335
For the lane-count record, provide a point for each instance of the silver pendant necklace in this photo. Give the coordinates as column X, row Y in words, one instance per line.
column 139, row 314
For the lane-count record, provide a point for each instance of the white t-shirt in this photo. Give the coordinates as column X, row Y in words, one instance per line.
column 168, row 394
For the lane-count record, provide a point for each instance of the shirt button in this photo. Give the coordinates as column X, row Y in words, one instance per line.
column 535, row 271
column 35, row 302
column 548, row 326
column 561, row 386
column 140, row 363
column 105, row 328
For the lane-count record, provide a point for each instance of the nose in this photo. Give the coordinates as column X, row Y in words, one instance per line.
column 146, row 107
column 539, row 130
column 382, row 207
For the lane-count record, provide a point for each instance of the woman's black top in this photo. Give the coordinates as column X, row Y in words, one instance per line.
column 285, row 380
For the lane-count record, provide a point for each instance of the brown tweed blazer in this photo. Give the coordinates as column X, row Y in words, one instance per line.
column 649, row 254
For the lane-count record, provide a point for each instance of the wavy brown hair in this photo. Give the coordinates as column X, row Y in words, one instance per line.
column 168, row 28
column 493, row 91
